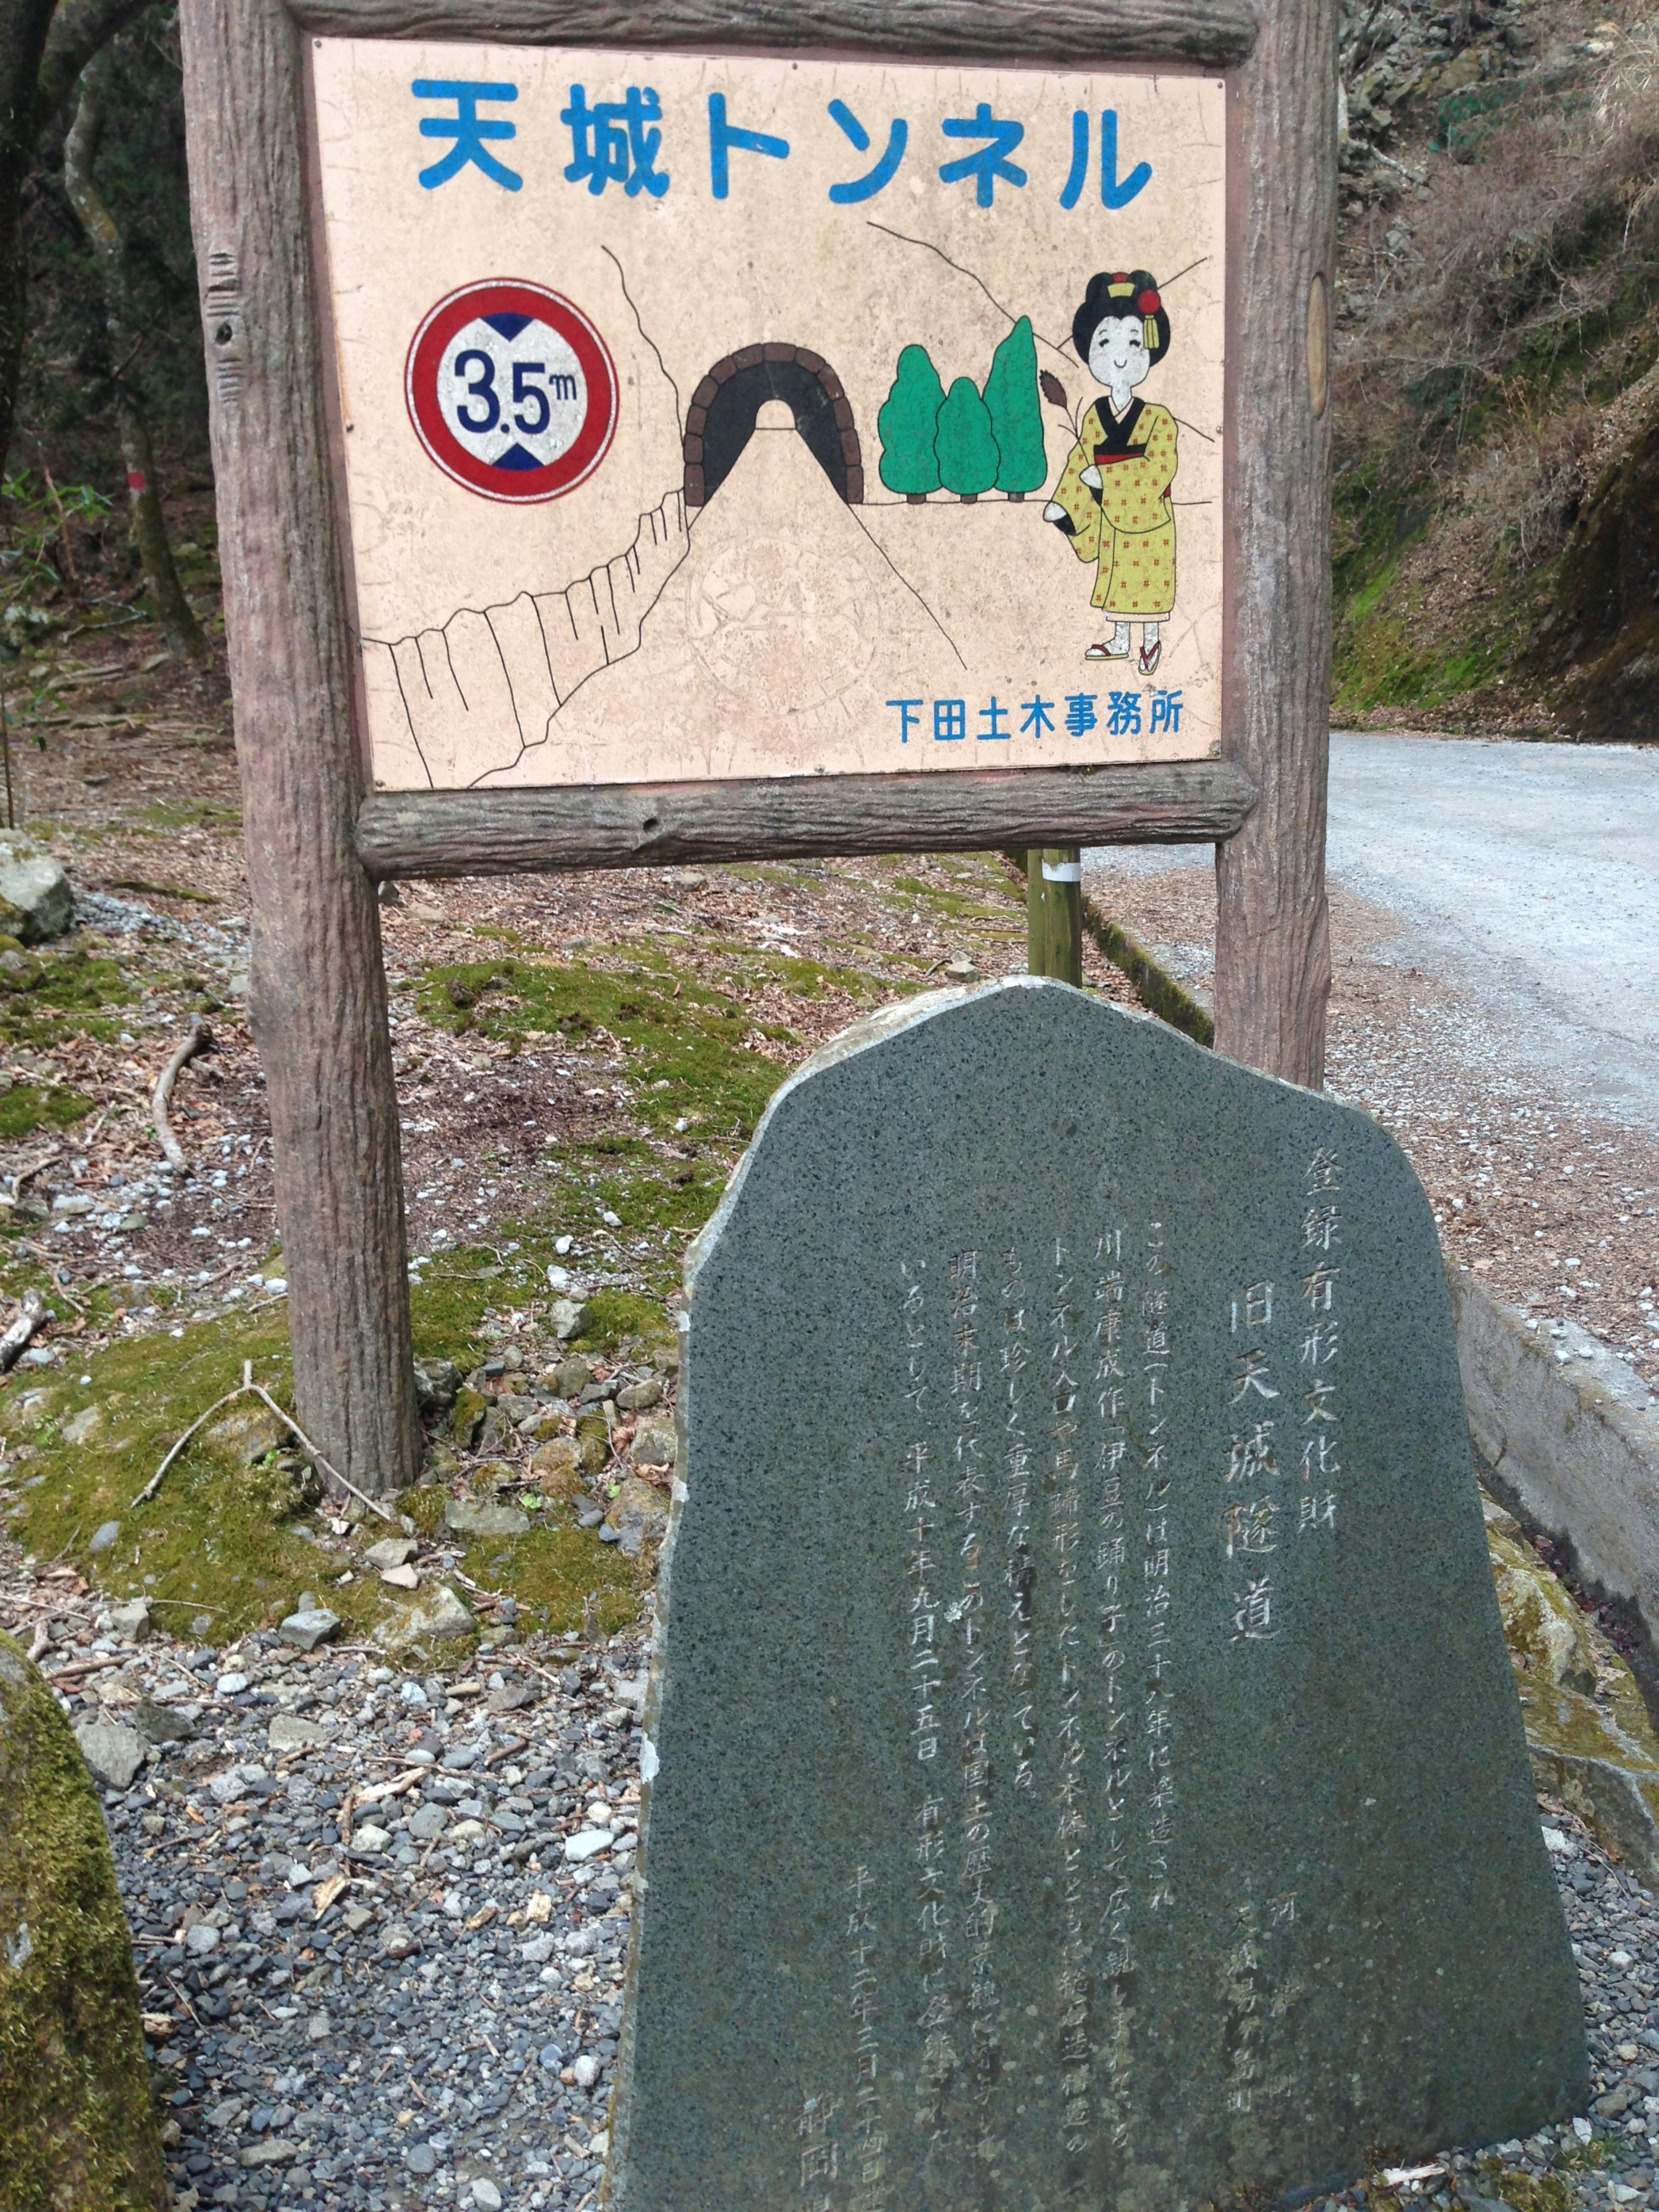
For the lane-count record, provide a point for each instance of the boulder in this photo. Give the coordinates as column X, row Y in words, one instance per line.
column 76, row 2123
column 36, row 903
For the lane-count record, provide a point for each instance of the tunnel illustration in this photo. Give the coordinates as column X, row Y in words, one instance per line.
column 721, row 417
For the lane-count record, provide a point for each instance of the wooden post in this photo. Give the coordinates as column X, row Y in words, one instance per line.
column 1272, row 948
column 1054, row 912
column 317, row 991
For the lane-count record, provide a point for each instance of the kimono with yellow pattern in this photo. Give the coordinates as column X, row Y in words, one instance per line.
column 1127, row 527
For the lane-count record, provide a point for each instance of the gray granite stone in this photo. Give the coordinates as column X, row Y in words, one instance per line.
column 1083, row 1766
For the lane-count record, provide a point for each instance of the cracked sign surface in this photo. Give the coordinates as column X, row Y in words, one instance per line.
column 744, row 417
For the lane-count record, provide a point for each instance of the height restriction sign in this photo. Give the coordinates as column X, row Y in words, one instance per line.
column 513, row 391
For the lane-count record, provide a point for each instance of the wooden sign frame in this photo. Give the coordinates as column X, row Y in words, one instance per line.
column 319, row 841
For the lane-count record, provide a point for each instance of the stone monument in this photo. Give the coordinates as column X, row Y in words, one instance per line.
column 1085, row 1768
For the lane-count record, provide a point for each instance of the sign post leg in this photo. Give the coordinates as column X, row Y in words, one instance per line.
column 1273, row 945
column 317, row 989
column 1054, row 913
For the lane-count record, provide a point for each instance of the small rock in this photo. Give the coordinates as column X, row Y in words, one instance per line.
column 289, row 1732
column 566, row 1318
column 1620, row 2099
column 104, row 1536
column 83, row 1426
column 311, row 1625
column 435, row 1612
column 399, row 1942
column 201, row 1939
column 317, row 2028
column 571, row 1377
column 392, row 1551
column 467, row 1831
column 436, row 1381
column 653, row 1446
column 230, row 1686
column 36, row 903
column 587, row 2070
column 538, row 1950
column 130, row 1623
column 587, row 1843
column 556, row 1465
column 274, row 2151
column 403, row 1578
column 161, row 1724
column 428, row 1822
column 467, row 1419
column 248, row 1434
column 634, row 1397
column 113, row 1752
column 486, row 2193
column 470, row 1519
column 370, row 1838
column 421, row 2158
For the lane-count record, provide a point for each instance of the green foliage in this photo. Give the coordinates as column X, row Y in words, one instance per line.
column 1015, row 408
column 907, row 424
column 967, row 451
column 37, row 517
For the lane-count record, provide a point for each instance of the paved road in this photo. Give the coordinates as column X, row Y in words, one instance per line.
column 1528, row 874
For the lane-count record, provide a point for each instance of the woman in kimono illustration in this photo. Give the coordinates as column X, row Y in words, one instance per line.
column 1113, row 497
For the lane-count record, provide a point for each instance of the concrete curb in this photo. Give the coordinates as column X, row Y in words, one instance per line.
column 1568, row 1438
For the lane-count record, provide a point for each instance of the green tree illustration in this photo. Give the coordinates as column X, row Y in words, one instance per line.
column 1010, row 395
column 966, row 449
column 906, row 424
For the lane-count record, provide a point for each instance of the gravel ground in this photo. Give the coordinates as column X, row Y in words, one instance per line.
column 445, row 2024
column 1554, row 1206
column 383, row 1967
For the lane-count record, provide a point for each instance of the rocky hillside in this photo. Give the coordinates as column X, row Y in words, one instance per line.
column 1497, row 461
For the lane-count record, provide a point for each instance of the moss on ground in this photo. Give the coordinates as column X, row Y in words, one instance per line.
column 30, row 1106
column 78, row 2128
column 220, row 1541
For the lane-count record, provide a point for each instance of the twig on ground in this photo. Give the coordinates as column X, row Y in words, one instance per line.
column 154, row 1482
column 40, row 1643
column 373, row 1504
column 248, row 1387
column 30, row 1315
column 198, row 1038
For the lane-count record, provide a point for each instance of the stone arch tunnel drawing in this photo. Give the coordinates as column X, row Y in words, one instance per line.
column 721, row 417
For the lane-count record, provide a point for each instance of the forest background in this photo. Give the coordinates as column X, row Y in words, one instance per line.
column 1496, row 487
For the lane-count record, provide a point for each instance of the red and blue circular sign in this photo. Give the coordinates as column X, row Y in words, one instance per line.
column 511, row 391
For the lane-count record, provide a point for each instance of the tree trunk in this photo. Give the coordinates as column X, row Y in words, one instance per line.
column 172, row 610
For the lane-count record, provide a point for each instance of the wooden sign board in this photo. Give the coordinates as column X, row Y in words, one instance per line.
column 689, row 432
column 762, row 417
